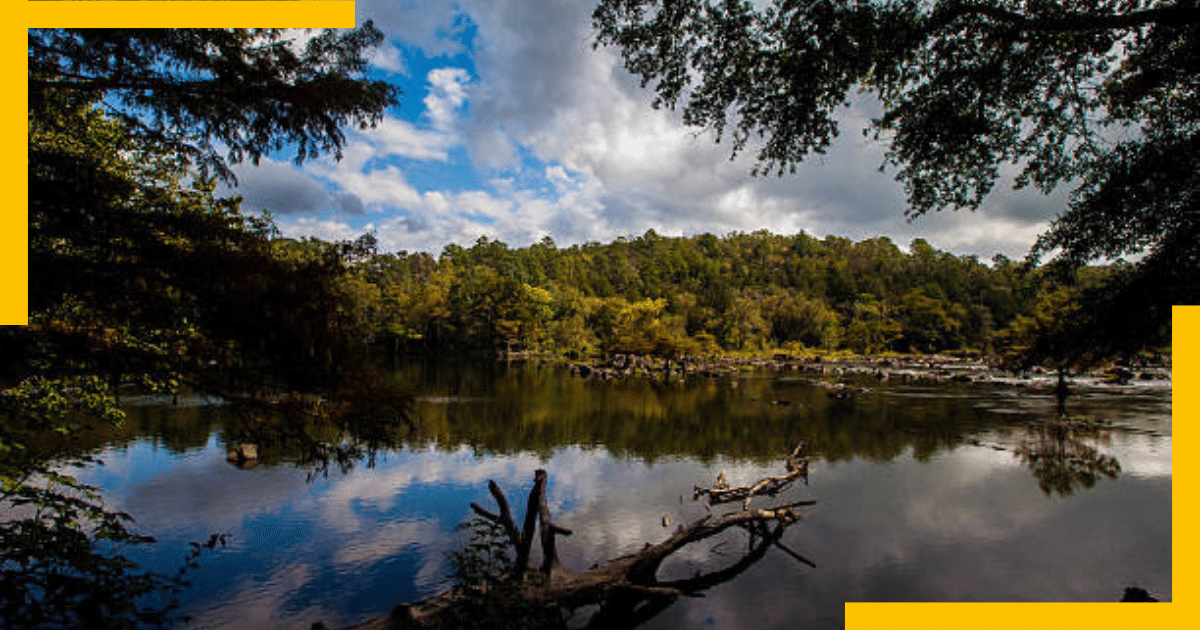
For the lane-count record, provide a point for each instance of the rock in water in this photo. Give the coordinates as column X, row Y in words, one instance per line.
column 242, row 454
column 1137, row 594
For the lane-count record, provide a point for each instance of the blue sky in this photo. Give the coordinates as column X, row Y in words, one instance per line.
column 512, row 126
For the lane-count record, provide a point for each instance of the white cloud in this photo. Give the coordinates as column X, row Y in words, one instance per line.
column 324, row 229
column 395, row 137
column 540, row 85
column 388, row 57
column 398, row 138
column 447, row 92
column 433, row 26
column 605, row 162
column 364, row 171
column 380, row 187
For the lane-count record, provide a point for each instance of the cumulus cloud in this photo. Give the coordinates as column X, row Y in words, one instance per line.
column 399, row 138
column 447, row 92
column 433, row 26
column 279, row 187
column 543, row 87
column 571, row 148
column 367, row 177
column 324, row 229
column 387, row 56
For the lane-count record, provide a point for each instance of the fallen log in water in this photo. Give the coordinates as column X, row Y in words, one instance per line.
column 626, row 589
column 720, row 492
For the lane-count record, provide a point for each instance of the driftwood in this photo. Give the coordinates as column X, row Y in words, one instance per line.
column 626, row 589
column 796, row 467
column 535, row 511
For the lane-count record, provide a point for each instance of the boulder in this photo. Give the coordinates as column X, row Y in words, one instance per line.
column 245, row 452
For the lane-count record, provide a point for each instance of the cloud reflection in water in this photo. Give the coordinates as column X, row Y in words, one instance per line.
column 958, row 523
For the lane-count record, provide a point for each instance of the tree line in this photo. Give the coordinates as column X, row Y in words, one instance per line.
column 704, row 295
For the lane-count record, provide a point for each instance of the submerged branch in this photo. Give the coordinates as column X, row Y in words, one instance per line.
column 720, row 492
column 626, row 588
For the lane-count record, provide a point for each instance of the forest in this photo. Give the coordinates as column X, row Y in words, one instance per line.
column 704, row 295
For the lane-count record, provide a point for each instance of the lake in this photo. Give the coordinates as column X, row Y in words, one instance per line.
column 925, row 492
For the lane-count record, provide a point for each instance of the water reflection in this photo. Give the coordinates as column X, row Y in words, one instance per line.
column 1061, row 458
column 540, row 409
column 908, row 508
column 622, row 592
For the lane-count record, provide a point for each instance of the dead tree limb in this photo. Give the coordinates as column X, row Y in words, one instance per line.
column 626, row 588
column 548, row 529
column 788, row 551
column 531, row 513
column 708, row 580
column 796, row 468
column 536, row 510
column 504, row 518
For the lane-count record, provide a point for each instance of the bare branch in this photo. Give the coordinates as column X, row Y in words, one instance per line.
column 510, row 527
column 720, row 492
column 548, row 529
column 627, row 586
column 790, row 552
column 491, row 516
column 539, row 483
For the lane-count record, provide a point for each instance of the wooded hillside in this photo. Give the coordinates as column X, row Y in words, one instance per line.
column 707, row 294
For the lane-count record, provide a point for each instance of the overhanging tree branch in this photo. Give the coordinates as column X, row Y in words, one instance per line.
column 1174, row 15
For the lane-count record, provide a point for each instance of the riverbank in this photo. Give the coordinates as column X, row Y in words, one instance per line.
column 914, row 369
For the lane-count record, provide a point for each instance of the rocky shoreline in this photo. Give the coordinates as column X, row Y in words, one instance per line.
column 922, row 369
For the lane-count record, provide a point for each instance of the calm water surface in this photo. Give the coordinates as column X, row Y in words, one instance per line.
column 924, row 493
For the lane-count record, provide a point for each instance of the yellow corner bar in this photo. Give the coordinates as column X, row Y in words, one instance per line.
column 195, row 14
column 1185, row 406
column 1040, row 616
column 14, row 221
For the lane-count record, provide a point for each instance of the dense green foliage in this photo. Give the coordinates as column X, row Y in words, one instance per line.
column 1100, row 97
column 708, row 295
column 216, row 96
column 140, row 276
column 135, row 267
